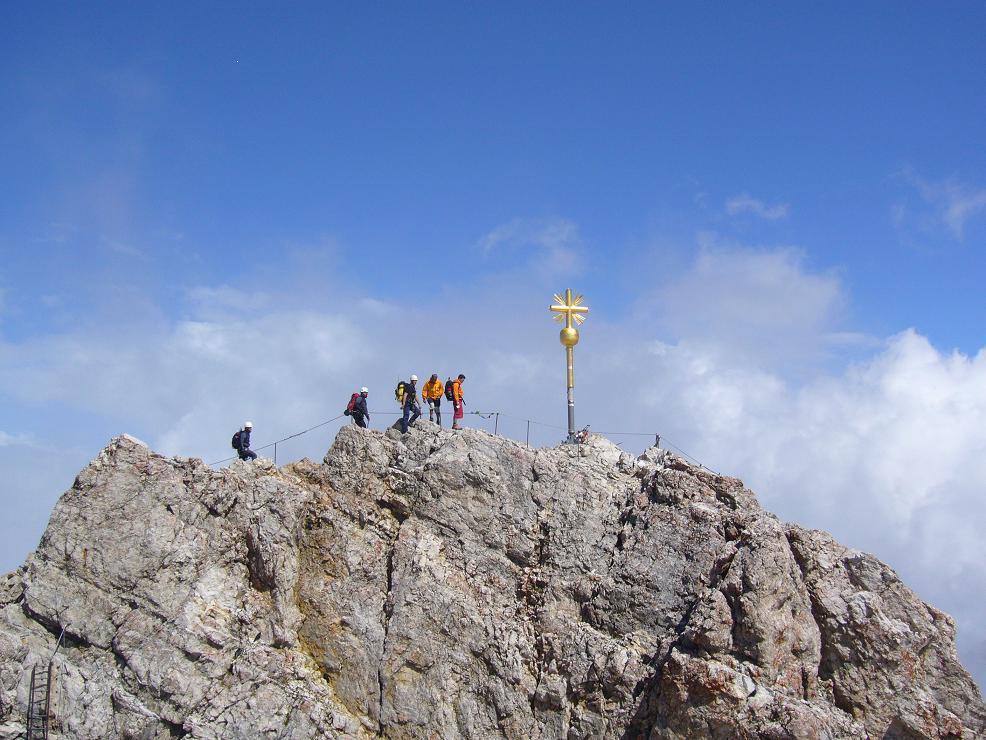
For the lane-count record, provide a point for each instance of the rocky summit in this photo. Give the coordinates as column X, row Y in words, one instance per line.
column 448, row 585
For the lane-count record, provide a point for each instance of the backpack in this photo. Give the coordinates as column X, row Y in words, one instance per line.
column 236, row 441
column 399, row 392
column 351, row 406
column 448, row 390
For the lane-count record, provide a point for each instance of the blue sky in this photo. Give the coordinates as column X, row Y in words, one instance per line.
column 777, row 213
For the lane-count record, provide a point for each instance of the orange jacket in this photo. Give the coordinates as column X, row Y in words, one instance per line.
column 456, row 390
column 433, row 391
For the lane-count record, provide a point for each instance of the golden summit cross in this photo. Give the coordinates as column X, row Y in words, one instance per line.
column 571, row 311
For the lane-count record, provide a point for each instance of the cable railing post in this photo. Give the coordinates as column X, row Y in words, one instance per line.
column 275, row 453
column 528, row 433
column 657, row 440
column 496, row 423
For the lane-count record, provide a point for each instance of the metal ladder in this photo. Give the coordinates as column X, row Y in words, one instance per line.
column 39, row 701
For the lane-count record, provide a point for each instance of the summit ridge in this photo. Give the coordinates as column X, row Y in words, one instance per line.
column 462, row 585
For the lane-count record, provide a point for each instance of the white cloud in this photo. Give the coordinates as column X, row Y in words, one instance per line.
column 946, row 203
column 960, row 207
column 15, row 440
column 189, row 381
column 746, row 204
column 224, row 299
column 375, row 307
column 123, row 248
column 556, row 240
column 754, row 304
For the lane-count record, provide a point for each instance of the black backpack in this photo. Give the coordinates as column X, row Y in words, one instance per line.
column 351, row 407
column 236, row 441
column 448, row 390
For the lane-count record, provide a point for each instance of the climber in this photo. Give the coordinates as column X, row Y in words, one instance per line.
column 360, row 413
column 412, row 408
column 458, row 401
column 432, row 395
column 241, row 442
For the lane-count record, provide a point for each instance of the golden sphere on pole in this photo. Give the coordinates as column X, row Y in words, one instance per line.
column 569, row 336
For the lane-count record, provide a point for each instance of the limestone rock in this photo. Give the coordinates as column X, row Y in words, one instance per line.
column 441, row 584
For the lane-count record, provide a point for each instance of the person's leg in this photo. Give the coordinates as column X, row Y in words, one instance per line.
column 248, row 455
column 360, row 421
column 438, row 411
column 431, row 410
column 407, row 413
column 416, row 414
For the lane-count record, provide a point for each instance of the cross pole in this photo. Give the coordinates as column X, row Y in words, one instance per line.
column 571, row 311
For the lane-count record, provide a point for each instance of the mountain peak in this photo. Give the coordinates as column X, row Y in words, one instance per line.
column 460, row 584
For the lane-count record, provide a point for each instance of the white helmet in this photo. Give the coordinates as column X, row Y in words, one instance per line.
column 414, row 378
column 364, row 389
column 248, row 425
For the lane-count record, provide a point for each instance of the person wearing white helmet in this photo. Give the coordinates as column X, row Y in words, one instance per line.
column 361, row 414
column 412, row 409
column 241, row 442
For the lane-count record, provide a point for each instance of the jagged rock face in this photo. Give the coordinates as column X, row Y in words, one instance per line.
column 461, row 585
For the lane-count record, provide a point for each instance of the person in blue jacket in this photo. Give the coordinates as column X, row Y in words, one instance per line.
column 412, row 409
column 244, row 450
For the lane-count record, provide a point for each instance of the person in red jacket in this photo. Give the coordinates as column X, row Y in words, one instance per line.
column 458, row 401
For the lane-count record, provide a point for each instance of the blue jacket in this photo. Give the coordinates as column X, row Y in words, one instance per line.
column 361, row 406
column 244, row 439
column 411, row 395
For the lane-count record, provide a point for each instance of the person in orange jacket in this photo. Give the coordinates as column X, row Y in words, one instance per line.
column 432, row 394
column 458, row 401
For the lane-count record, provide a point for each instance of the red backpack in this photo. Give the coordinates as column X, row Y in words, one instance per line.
column 351, row 406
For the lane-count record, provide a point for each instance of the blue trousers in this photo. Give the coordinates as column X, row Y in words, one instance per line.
column 408, row 408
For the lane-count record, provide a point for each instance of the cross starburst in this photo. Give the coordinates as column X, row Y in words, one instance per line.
column 569, row 309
